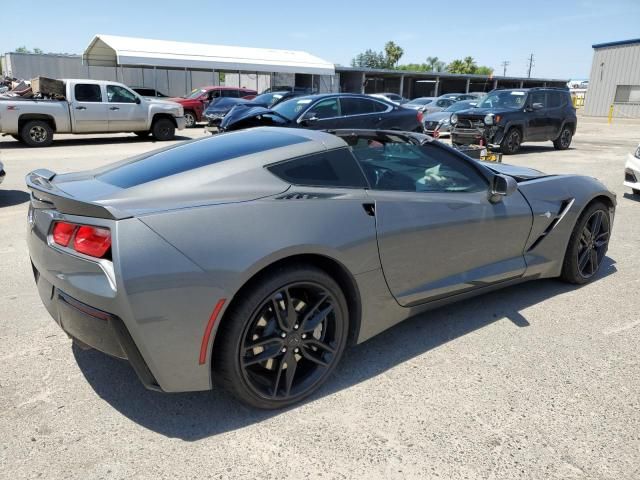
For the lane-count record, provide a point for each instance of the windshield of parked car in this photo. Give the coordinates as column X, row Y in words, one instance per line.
column 420, row 101
column 456, row 107
column 511, row 99
column 268, row 98
column 290, row 109
column 196, row 93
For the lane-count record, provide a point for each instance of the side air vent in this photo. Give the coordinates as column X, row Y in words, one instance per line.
column 562, row 211
column 302, row 196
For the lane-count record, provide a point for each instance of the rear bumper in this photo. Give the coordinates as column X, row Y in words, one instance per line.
column 95, row 328
column 632, row 172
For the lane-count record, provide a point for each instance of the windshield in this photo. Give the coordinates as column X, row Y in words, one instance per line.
column 268, row 98
column 511, row 99
column 456, row 107
column 196, row 93
column 420, row 101
column 291, row 108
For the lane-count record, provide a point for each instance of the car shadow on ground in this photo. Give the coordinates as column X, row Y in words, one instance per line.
column 9, row 198
column 88, row 141
column 193, row 416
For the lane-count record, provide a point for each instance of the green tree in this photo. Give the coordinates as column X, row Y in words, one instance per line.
column 434, row 64
column 482, row 70
column 468, row 66
column 393, row 53
column 22, row 49
column 369, row 59
column 457, row 66
column 38, row 51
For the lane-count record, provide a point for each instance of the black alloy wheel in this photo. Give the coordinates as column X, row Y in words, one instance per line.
column 291, row 341
column 588, row 244
column 283, row 338
column 593, row 243
column 564, row 140
column 511, row 142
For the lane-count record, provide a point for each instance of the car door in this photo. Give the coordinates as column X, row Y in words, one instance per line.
column 557, row 102
column 89, row 109
column 358, row 112
column 537, row 121
column 325, row 113
column 438, row 232
column 127, row 112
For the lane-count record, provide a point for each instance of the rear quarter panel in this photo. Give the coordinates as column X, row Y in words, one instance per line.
column 12, row 110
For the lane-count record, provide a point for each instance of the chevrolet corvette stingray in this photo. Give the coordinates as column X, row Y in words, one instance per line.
column 251, row 259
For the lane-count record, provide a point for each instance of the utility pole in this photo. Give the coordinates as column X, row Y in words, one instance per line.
column 504, row 65
column 531, row 64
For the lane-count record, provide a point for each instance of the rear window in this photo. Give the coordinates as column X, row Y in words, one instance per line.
column 86, row 92
column 197, row 154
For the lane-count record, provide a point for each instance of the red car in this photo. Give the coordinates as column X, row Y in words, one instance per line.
column 196, row 102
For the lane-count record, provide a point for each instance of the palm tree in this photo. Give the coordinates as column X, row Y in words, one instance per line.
column 469, row 65
column 434, row 64
column 394, row 53
column 457, row 66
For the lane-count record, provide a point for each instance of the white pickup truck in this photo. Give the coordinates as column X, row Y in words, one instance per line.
column 90, row 106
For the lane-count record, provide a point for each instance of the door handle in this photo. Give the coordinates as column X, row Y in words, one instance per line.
column 81, row 108
column 114, row 108
column 370, row 209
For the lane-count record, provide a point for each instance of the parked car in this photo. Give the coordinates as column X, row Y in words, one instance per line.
column 91, row 106
column 461, row 96
column 506, row 118
column 289, row 88
column 327, row 111
column 217, row 110
column 197, row 101
column 302, row 242
column 632, row 171
column 438, row 123
column 418, row 103
column 438, row 104
column 149, row 92
column 391, row 97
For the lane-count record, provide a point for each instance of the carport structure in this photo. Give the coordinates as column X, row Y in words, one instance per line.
column 411, row 84
column 179, row 67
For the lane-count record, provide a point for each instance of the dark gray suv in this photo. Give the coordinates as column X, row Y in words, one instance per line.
column 506, row 118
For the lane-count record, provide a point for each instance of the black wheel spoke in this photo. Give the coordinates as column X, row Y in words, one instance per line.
column 268, row 353
column 583, row 259
column 276, row 382
column 280, row 318
column 264, row 342
column 597, row 223
column 318, row 318
column 593, row 260
column 313, row 357
column 290, row 372
column 585, row 236
column 313, row 342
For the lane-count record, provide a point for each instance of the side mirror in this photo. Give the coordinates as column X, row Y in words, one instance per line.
column 501, row 186
column 138, row 101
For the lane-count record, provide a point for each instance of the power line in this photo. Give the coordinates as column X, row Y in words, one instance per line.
column 531, row 64
column 504, row 65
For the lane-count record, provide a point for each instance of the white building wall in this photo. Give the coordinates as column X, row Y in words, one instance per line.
column 612, row 66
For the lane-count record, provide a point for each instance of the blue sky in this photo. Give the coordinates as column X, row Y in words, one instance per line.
column 559, row 33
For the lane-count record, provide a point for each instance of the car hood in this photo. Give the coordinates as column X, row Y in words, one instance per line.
column 240, row 113
column 436, row 116
column 155, row 101
column 482, row 112
column 517, row 172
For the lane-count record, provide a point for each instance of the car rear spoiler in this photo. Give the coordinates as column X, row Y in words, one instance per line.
column 45, row 194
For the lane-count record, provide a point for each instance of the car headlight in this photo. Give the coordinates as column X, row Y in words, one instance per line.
column 637, row 154
column 488, row 119
column 454, row 119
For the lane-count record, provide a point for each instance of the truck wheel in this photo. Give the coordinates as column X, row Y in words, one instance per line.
column 511, row 142
column 564, row 140
column 37, row 133
column 190, row 119
column 163, row 129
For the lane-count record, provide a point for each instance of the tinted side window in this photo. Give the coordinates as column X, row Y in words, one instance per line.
column 540, row 98
column 556, row 99
column 328, row 108
column 335, row 168
column 230, row 93
column 356, row 106
column 416, row 168
column 85, row 92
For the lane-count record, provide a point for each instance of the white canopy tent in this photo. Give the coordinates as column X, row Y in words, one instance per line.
column 114, row 51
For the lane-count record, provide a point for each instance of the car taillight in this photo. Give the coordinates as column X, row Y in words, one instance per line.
column 88, row 240
column 62, row 232
column 420, row 116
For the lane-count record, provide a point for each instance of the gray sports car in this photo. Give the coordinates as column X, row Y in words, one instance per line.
column 252, row 258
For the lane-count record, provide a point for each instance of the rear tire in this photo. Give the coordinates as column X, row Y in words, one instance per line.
column 309, row 349
column 587, row 245
column 37, row 133
column 511, row 142
column 163, row 129
column 564, row 140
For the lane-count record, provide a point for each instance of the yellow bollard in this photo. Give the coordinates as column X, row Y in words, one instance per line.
column 610, row 119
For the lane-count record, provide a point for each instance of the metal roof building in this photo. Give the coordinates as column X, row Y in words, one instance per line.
column 615, row 80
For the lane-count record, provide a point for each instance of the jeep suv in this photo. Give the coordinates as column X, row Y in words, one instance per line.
column 506, row 118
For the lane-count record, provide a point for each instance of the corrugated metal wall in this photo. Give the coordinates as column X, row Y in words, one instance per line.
column 612, row 66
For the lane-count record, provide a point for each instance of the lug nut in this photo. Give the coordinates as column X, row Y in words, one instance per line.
column 296, row 350
column 304, row 335
column 296, row 326
column 284, row 349
column 283, row 335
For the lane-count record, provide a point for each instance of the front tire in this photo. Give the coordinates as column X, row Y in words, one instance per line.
column 587, row 245
column 564, row 140
column 283, row 339
column 163, row 129
column 190, row 119
column 511, row 142
column 37, row 133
